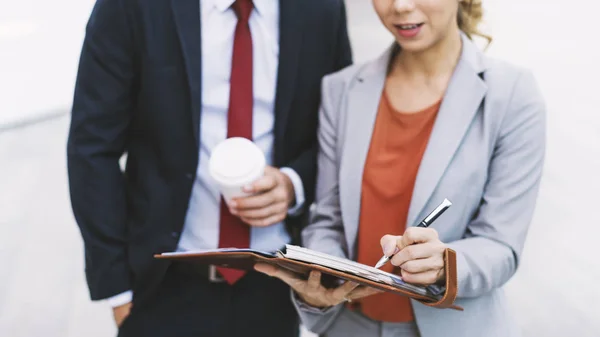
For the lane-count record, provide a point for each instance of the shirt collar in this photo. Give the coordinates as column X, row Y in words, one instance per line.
column 222, row 5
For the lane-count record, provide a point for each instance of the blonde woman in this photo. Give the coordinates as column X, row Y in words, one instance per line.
column 432, row 118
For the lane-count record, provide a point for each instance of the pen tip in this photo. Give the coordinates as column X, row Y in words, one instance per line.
column 381, row 262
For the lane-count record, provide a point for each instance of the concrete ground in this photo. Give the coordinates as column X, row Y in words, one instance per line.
column 42, row 286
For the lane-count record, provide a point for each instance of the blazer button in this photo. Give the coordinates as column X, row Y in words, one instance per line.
column 189, row 176
column 175, row 235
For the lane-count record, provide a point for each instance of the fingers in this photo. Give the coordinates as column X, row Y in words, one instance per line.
column 425, row 278
column 275, row 194
column 284, row 275
column 422, row 265
column 252, row 202
column 413, row 252
column 309, row 291
column 388, row 244
column 266, row 268
column 264, row 183
column 261, row 213
column 262, row 209
column 266, row 213
column 422, row 271
column 271, row 220
column 312, row 290
column 418, row 251
column 339, row 294
column 361, row 292
column 392, row 244
column 414, row 235
column 314, row 281
column 269, row 204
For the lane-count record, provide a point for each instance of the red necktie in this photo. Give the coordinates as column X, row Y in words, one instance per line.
column 233, row 232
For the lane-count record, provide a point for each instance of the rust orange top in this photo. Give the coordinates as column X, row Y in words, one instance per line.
column 397, row 146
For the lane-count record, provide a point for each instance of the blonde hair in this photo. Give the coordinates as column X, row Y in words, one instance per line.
column 470, row 15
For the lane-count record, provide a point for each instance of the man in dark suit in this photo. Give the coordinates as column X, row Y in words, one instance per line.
column 164, row 81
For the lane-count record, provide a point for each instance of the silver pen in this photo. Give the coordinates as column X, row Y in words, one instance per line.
column 424, row 223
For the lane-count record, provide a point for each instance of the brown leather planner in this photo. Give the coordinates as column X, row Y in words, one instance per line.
column 302, row 260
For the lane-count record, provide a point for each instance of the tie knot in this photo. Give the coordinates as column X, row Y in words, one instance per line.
column 242, row 9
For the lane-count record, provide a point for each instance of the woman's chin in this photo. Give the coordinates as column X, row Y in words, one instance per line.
column 412, row 45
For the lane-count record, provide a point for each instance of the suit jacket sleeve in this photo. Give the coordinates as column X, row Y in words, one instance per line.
column 489, row 255
column 101, row 115
column 305, row 164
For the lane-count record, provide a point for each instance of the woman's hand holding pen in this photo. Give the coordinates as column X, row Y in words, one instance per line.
column 313, row 293
column 418, row 253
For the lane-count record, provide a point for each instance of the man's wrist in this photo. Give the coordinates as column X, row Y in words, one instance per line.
column 291, row 191
column 297, row 190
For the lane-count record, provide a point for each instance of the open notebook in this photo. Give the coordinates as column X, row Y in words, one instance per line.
column 302, row 260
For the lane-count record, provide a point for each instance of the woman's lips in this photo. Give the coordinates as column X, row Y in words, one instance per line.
column 408, row 30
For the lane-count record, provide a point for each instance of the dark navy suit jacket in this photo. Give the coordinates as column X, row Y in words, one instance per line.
column 138, row 92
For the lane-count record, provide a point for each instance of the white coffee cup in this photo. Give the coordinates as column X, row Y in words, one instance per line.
column 235, row 163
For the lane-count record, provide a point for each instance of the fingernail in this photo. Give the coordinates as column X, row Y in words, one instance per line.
column 389, row 248
column 232, row 204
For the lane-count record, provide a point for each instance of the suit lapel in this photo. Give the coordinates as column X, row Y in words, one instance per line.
column 363, row 104
column 290, row 41
column 460, row 104
column 186, row 14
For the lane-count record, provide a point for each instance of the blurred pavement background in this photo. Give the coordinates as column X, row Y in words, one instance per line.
column 42, row 286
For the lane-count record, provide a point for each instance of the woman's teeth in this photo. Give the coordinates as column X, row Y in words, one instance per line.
column 408, row 26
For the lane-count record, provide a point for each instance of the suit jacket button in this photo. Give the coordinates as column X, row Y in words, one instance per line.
column 189, row 176
column 175, row 234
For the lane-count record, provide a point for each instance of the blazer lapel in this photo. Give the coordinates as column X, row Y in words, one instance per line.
column 186, row 14
column 460, row 104
column 290, row 41
column 363, row 104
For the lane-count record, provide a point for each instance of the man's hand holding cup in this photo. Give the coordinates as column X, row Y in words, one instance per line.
column 257, row 193
column 271, row 196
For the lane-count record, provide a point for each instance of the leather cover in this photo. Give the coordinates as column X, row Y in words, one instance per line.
column 247, row 259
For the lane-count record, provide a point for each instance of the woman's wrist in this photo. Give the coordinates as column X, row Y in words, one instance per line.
column 308, row 302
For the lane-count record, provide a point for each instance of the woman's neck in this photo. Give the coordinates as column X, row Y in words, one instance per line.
column 438, row 60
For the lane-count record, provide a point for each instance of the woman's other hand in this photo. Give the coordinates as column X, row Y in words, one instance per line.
column 312, row 292
column 419, row 254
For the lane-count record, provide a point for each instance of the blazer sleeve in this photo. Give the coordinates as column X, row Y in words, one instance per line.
column 101, row 114
column 305, row 164
column 325, row 232
column 489, row 255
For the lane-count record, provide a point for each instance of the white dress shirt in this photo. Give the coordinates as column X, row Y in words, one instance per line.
column 218, row 20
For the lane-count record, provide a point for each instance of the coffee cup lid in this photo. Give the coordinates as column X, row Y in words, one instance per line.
column 235, row 159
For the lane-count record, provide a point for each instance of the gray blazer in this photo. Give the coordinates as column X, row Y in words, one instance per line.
column 485, row 154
